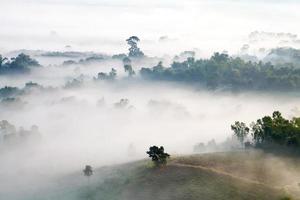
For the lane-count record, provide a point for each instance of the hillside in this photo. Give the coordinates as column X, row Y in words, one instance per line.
column 218, row 176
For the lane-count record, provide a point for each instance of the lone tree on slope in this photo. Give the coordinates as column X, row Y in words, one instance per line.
column 88, row 171
column 158, row 155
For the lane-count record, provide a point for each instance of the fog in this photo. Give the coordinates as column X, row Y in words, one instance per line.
column 84, row 125
column 102, row 26
column 88, row 124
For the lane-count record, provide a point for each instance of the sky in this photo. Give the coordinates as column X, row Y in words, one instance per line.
column 103, row 26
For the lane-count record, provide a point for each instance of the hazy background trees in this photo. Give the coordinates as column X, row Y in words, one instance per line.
column 20, row 64
column 222, row 71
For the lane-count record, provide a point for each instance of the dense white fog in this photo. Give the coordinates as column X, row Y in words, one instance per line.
column 165, row 27
column 85, row 125
column 108, row 122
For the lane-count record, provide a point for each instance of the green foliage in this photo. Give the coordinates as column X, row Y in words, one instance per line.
column 240, row 130
column 286, row 198
column 158, row 155
column 222, row 71
column 276, row 129
column 272, row 130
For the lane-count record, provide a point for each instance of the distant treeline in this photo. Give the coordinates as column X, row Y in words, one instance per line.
column 218, row 72
column 11, row 96
column 9, row 135
column 19, row 64
column 222, row 71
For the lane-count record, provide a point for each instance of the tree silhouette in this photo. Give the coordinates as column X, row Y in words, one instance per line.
column 2, row 60
column 128, row 67
column 158, row 155
column 88, row 171
column 240, row 130
column 134, row 51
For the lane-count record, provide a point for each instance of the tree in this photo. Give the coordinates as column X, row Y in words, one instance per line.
column 20, row 64
column 123, row 103
column 134, row 51
column 199, row 148
column 104, row 76
column 158, row 155
column 23, row 62
column 88, row 171
column 220, row 57
column 126, row 61
column 240, row 130
column 129, row 70
column 2, row 61
column 128, row 67
column 113, row 74
column 270, row 132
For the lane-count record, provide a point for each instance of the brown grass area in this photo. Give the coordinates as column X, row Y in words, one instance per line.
column 256, row 166
column 179, row 182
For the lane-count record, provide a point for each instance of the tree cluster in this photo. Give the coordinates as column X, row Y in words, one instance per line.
column 107, row 76
column 222, row 71
column 20, row 64
column 11, row 94
column 10, row 135
column 271, row 131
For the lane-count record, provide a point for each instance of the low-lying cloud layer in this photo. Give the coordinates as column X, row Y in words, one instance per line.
column 100, row 25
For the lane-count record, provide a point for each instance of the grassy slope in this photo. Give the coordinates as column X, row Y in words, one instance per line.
column 276, row 171
column 215, row 176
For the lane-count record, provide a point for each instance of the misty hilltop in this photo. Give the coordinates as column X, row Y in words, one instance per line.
column 207, row 176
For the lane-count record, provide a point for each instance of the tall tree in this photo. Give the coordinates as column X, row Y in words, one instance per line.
column 240, row 130
column 134, row 51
